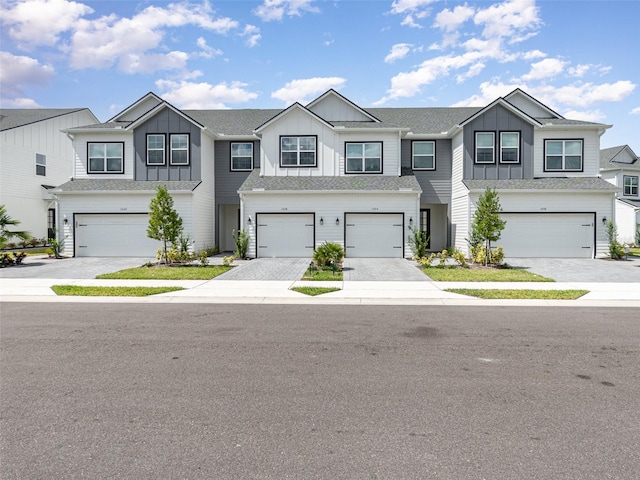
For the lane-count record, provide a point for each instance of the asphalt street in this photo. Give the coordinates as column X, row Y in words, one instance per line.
column 318, row 392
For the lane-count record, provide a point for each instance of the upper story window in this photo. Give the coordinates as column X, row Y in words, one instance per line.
column 241, row 157
column 155, row 149
column 41, row 165
column 630, row 186
column 298, row 151
column 107, row 157
column 423, row 155
column 485, row 147
column 509, row 147
column 179, row 148
column 563, row 155
column 363, row 157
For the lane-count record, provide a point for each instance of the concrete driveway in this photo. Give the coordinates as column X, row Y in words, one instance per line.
column 70, row 268
column 582, row 269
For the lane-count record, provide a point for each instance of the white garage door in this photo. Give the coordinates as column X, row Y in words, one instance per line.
column 568, row 235
column 114, row 235
column 285, row 234
column 374, row 235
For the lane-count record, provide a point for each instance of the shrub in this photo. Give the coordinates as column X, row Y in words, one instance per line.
column 56, row 246
column 18, row 257
column 427, row 261
column 211, row 251
column 227, row 261
column 419, row 242
column 616, row 249
column 328, row 253
column 242, row 243
column 497, row 256
column 638, row 236
column 442, row 258
column 460, row 259
column 203, row 258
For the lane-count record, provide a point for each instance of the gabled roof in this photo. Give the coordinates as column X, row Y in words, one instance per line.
column 286, row 111
column 87, row 185
column 19, row 117
column 512, row 108
column 613, row 158
column 135, row 105
column 157, row 109
column 520, row 92
column 332, row 93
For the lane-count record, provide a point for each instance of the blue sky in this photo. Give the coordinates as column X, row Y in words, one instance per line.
column 578, row 57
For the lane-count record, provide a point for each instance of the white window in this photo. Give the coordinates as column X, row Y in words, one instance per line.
column 179, row 149
column 241, row 157
column 105, row 157
column 485, row 147
column 509, row 147
column 298, row 151
column 363, row 157
column 41, row 165
column 155, row 149
column 423, row 155
column 563, row 155
column 630, row 186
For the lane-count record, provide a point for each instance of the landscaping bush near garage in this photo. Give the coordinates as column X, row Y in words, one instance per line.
column 326, row 264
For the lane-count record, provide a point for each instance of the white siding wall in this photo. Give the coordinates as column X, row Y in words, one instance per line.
column 203, row 199
column 459, row 197
column 591, row 145
column 390, row 149
column 139, row 110
column 118, row 203
column 80, row 141
column 627, row 219
column 329, row 206
column 20, row 187
column 334, row 108
column 526, row 105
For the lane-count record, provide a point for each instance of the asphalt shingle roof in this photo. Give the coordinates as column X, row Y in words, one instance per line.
column 547, row 183
column 608, row 154
column 232, row 122
column 19, row 117
column 342, row 183
column 123, row 185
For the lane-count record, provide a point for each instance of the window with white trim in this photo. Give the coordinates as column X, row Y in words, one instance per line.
column 41, row 165
column 630, row 186
column 155, row 149
column 563, row 155
column 363, row 157
column 423, row 155
column 298, row 151
column 179, row 148
column 105, row 157
column 485, row 147
column 241, row 157
column 509, row 147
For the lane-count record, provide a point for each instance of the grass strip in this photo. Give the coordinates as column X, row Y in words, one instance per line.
column 167, row 273
column 313, row 291
column 323, row 275
column 80, row 291
column 514, row 294
column 483, row 275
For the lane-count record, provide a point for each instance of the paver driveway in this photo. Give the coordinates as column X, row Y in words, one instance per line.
column 582, row 269
column 69, row 268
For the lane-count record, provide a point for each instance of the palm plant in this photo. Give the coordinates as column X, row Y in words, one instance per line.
column 7, row 221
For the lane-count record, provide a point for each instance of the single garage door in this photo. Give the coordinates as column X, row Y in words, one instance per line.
column 285, row 234
column 114, row 235
column 374, row 235
column 568, row 235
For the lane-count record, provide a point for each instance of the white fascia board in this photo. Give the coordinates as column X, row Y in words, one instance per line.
column 513, row 109
column 288, row 110
column 328, row 192
column 135, row 104
column 595, row 126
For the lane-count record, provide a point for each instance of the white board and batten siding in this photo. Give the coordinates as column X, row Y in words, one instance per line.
column 333, row 108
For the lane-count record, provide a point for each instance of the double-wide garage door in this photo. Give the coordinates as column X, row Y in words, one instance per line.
column 568, row 235
column 375, row 235
column 285, row 234
column 113, row 235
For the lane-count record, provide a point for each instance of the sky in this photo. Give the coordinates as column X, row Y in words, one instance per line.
column 580, row 58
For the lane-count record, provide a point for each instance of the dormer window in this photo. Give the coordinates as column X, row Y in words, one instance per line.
column 363, row 157
column 630, row 186
column 298, row 151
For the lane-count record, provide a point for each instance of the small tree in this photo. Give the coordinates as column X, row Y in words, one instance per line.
column 419, row 242
column 487, row 225
column 7, row 221
column 241, row 239
column 164, row 222
column 616, row 250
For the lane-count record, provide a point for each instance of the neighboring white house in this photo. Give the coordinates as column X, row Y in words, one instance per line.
column 334, row 171
column 35, row 156
column 620, row 166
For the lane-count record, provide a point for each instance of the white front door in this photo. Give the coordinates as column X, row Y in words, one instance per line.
column 285, row 234
column 568, row 235
column 113, row 235
column 375, row 235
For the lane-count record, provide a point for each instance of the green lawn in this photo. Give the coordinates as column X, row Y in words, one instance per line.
column 313, row 291
column 512, row 294
column 325, row 274
column 76, row 290
column 167, row 273
column 482, row 275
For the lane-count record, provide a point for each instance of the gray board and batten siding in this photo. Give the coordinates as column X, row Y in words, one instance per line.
column 435, row 184
column 167, row 122
column 498, row 119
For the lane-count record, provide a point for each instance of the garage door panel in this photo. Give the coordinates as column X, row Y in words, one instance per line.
column 568, row 235
column 117, row 235
column 374, row 235
column 285, row 235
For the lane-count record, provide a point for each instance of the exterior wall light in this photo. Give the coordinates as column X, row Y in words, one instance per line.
column 338, row 221
column 249, row 220
column 321, row 221
column 604, row 220
column 410, row 221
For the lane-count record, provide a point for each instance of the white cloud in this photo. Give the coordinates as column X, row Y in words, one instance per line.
column 206, row 50
column 585, row 115
column 271, row 10
column 451, row 20
column 411, row 9
column 252, row 34
column 398, row 51
column 110, row 40
column 489, row 91
column 582, row 69
column 473, row 71
column 39, row 22
column 19, row 103
column 516, row 20
column 545, row 69
column 533, row 54
column 635, row 111
column 190, row 95
column 17, row 71
column 302, row 89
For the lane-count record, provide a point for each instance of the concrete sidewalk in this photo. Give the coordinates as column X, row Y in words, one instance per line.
column 351, row 292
